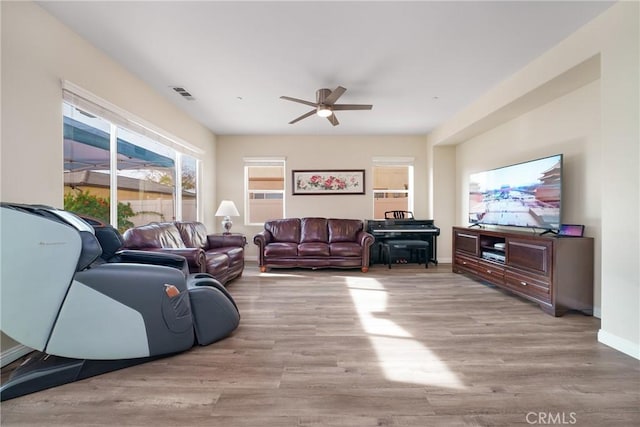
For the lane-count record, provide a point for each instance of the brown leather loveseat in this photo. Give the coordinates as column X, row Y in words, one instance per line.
column 313, row 243
column 220, row 255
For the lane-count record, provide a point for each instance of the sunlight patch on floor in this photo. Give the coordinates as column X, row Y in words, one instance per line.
column 401, row 357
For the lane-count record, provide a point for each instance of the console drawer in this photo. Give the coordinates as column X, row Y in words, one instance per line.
column 466, row 263
column 536, row 286
column 491, row 271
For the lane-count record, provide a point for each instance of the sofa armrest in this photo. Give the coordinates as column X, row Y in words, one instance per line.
column 195, row 257
column 365, row 239
column 262, row 239
column 226, row 240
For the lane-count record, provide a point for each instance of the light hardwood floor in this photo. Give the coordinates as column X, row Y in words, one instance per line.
column 399, row 347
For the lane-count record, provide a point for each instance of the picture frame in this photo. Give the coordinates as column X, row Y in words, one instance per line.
column 319, row 182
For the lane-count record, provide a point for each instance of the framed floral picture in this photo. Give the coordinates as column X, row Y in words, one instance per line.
column 319, row 182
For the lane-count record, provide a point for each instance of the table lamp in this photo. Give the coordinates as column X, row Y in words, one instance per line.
column 227, row 209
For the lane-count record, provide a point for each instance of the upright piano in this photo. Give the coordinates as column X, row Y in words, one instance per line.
column 404, row 229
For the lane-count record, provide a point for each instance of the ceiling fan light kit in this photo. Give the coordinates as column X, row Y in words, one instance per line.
column 323, row 111
column 325, row 105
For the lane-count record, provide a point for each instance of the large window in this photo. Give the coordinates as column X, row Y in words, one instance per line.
column 148, row 187
column 392, row 186
column 121, row 172
column 264, row 190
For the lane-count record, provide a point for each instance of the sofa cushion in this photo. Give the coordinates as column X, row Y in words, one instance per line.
column 194, row 234
column 235, row 254
column 345, row 249
column 284, row 230
column 217, row 263
column 314, row 230
column 313, row 249
column 154, row 235
column 281, row 249
column 344, row 230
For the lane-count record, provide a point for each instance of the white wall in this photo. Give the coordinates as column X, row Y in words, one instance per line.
column 602, row 176
column 37, row 53
column 318, row 152
column 443, row 195
column 620, row 165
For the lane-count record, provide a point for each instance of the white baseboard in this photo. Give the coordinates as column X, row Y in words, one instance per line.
column 621, row 344
column 14, row 353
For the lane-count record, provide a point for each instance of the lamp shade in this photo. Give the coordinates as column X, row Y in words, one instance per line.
column 227, row 208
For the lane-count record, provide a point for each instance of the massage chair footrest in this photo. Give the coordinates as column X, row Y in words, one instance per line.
column 215, row 314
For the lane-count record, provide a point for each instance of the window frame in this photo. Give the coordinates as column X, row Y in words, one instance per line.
column 397, row 162
column 263, row 162
column 80, row 99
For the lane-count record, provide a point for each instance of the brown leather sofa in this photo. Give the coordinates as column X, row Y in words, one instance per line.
column 220, row 255
column 313, row 243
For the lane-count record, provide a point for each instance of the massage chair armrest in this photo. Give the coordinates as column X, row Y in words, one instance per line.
column 154, row 258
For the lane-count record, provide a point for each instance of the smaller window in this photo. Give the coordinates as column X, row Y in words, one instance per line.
column 392, row 189
column 264, row 190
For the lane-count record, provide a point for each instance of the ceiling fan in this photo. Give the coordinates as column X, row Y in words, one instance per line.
column 325, row 105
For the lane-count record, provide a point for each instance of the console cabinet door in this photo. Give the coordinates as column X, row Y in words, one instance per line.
column 467, row 242
column 530, row 255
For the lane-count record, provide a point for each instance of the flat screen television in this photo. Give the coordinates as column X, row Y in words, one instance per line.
column 527, row 194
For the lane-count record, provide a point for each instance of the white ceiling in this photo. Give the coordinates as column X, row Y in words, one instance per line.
column 417, row 62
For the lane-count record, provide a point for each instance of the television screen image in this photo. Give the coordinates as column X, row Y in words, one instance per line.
column 526, row 194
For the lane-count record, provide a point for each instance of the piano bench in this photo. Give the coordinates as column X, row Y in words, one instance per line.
column 390, row 248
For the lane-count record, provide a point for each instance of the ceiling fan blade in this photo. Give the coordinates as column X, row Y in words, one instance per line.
column 344, row 107
column 333, row 119
column 301, row 101
column 333, row 96
column 304, row 116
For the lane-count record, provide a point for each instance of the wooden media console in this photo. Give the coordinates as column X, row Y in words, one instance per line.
column 554, row 272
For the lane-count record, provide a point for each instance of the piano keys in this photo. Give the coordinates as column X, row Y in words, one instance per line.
column 404, row 229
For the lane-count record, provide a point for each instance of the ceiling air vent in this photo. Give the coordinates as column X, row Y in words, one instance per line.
column 183, row 92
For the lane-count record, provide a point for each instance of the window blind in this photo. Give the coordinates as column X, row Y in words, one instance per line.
column 92, row 104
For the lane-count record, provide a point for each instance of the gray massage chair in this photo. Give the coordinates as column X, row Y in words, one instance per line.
column 85, row 311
